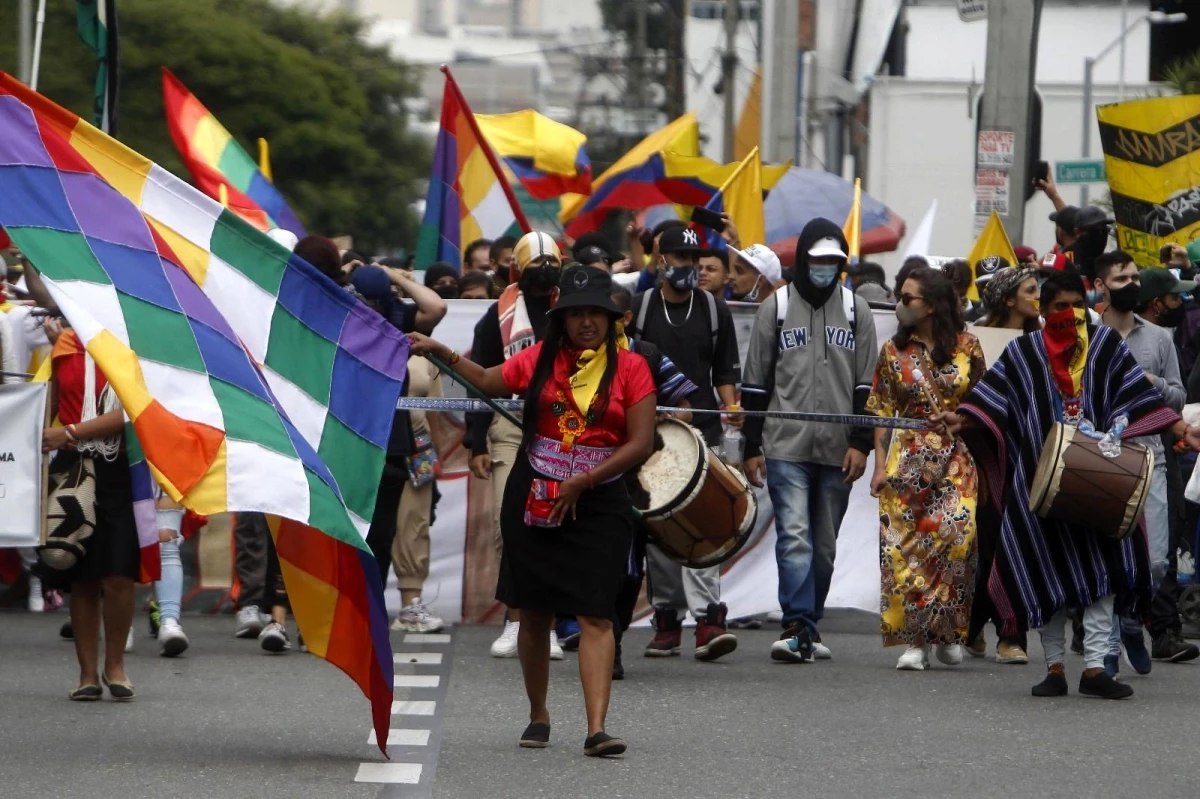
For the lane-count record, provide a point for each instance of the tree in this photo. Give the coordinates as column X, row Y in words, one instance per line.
column 1184, row 74
column 331, row 105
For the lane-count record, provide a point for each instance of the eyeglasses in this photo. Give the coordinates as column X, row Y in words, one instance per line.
column 909, row 299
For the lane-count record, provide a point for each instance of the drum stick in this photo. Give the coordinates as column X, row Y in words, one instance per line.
column 934, row 405
column 858, row 420
column 24, row 375
column 462, row 381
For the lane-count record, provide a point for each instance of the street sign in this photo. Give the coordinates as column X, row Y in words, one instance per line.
column 972, row 10
column 1079, row 172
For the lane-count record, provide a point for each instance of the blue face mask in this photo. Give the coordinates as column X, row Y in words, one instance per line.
column 683, row 278
column 822, row 276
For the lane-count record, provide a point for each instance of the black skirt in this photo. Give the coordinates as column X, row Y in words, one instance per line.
column 112, row 550
column 575, row 569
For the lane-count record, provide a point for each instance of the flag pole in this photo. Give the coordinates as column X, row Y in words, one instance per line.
column 487, row 150
column 729, row 181
column 264, row 160
column 40, row 25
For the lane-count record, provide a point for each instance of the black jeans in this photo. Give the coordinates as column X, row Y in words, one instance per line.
column 250, row 543
column 274, row 591
column 382, row 531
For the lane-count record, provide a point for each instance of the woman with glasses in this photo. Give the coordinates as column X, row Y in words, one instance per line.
column 925, row 482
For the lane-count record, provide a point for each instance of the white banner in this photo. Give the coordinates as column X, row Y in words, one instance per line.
column 22, row 417
column 463, row 563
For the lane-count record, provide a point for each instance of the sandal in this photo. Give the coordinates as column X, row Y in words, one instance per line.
column 86, row 693
column 121, row 691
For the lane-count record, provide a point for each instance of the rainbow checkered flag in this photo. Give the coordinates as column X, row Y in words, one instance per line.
column 253, row 382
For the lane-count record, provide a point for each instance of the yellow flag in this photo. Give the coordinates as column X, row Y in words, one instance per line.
column 749, row 127
column 991, row 245
column 741, row 198
column 1152, row 159
column 852, row 230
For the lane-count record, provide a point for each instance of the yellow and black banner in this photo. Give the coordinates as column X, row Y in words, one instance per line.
column 1152, row 155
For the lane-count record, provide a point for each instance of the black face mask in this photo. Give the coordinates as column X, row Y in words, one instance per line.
column 1172, row 317
column 1091, row 245
column 1125, row 299
column 447, row 292
column 539, row 278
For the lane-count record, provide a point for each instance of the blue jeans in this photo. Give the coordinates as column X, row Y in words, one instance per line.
column 170, row 588
column 810, row 500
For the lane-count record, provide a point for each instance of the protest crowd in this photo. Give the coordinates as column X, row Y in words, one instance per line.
column 978, row 425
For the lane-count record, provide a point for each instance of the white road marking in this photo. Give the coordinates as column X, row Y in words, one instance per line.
column 402, row 738
column 417, row 658
column 427, row 638
column 408, row 773
column 410, row 708
column 416, row 681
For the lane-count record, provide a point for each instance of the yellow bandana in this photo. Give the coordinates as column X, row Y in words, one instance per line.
column 589, row 370
column 622, row 339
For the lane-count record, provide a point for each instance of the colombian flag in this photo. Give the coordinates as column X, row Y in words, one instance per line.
column 548, row 158
column 216, row 160
column 468, row 197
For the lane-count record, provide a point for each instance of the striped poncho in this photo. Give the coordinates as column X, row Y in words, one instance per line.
column 1043, row 565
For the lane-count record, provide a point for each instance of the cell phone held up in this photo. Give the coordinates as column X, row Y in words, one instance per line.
column 708, row 218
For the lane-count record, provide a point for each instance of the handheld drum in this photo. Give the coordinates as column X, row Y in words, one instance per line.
column 1076, row 482
column 701, row 510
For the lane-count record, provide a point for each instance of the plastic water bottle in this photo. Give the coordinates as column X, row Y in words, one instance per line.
column 734, row 444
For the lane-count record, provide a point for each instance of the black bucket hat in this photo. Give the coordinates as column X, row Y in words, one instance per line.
column 585, row 287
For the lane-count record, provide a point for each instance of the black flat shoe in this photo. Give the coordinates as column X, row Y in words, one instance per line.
column 1053, row 685
column 1104, row 687
column 603, row 745
column 536, row 736
column 86, row 693
column 121, row 691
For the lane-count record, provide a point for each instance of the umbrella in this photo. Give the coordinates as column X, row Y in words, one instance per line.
column 805, row 194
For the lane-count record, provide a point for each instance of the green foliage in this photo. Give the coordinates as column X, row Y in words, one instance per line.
column 1184, row 74
column 330, row 105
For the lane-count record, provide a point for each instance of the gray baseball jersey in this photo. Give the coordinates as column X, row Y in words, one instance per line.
column 821, row 357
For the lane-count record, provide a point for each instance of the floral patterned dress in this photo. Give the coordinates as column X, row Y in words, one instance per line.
column 927, row 509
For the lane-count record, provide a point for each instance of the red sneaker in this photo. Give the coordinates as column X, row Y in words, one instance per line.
column 667, row 637
column 712, row 638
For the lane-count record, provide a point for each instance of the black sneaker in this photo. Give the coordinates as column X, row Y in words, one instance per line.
column 67, row 631
column 1170, row 646
column 1104, row 687
column 1054, row 685
column 536, row 736
column 603, row 745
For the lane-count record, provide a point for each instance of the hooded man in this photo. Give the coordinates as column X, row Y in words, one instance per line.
column 812, row 348
column 516, row 321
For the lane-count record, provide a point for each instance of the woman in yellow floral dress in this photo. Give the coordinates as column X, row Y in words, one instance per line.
column 925, row 482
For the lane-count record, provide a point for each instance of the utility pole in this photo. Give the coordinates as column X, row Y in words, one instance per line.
column 638, row 71
column 781, row 79
column 729, row 63
column 1003, row 143
column 25, row 40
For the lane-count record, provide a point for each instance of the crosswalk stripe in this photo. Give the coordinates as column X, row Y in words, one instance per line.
column 402, row 738
column 427, row 638
column 417, row 658
column 406, row 773
column 414, row 708
column 416, row 681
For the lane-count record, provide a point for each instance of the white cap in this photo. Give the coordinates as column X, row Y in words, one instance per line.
column 534, row 245
column 827, row 247
column 764, row 260
column 283, row 237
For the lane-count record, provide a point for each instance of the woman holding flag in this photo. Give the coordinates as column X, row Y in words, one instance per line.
column 566, row 515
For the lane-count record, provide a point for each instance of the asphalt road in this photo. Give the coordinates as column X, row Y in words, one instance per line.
column 227, row 721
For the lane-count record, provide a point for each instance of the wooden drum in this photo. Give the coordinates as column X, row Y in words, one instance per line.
column 1075, row 482
column 701, row 510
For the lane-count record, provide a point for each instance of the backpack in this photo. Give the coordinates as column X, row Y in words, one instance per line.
column 647, row 297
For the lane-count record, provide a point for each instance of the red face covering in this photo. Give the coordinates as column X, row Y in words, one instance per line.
column 1066, row 338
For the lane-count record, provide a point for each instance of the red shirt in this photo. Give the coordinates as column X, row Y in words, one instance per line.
column 631, row 384
column 68, row 359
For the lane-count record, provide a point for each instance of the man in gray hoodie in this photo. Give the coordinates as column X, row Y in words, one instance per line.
column 813, row 348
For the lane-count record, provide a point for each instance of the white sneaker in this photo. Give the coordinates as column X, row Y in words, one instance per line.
column 171, row 638
column 915, row 658
column 37, row 602
column 274, row 639
column 556, row 651
column 416, row 618
column 129, row 640
column 249, row 622
column 821, row 652
column 950, row 654
column 506, row 645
